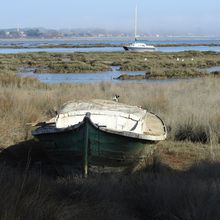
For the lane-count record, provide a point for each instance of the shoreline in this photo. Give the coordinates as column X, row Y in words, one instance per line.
column 104, row 45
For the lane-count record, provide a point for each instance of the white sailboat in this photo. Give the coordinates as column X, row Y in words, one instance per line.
column 138, row 46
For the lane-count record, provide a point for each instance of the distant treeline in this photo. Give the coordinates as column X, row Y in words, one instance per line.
column 51, row 33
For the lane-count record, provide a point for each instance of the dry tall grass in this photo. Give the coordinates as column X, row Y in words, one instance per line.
column 158, row 193
column 190, row 108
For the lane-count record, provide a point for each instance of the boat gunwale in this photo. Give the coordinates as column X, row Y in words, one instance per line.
column 53, row 130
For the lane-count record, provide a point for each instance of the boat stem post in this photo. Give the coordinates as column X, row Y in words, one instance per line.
column 85, row 147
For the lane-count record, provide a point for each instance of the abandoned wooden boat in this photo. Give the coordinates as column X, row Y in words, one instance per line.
column 100, row 133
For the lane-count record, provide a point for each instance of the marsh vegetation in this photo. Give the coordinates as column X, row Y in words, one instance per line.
column 176, row 184
column 189, row 108
column 156, row 65
column 158, row 193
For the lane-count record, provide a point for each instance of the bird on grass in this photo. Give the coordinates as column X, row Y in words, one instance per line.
column 115, row 98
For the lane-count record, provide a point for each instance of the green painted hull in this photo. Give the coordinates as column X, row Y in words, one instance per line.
column 102, row 148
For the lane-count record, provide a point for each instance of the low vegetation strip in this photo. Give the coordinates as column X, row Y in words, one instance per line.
column 156, row 65
column 105, row 45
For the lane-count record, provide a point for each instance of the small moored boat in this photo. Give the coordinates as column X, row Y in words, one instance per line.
column 100, row 133
column 139, row 47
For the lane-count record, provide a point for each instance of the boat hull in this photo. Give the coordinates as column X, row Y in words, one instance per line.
column 138, row 49
column 104, row 148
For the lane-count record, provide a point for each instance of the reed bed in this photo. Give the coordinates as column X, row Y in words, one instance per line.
column 155, row 193
column 189, row 108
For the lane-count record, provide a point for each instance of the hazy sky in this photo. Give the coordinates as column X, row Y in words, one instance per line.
column 153, row 16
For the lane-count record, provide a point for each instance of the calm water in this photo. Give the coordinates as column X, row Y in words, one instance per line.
column 35, row 43
column 187, row 48
column 59, row 50
column 40, row 42
column 104, row 49
column 108, row 76
column 214, row 68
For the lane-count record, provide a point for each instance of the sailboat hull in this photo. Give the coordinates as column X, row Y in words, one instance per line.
column 139, row 49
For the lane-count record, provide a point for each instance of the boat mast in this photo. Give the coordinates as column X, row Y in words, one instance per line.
column 135, row 23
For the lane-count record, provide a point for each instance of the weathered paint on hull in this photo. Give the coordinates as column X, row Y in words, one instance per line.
column 104, row 149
